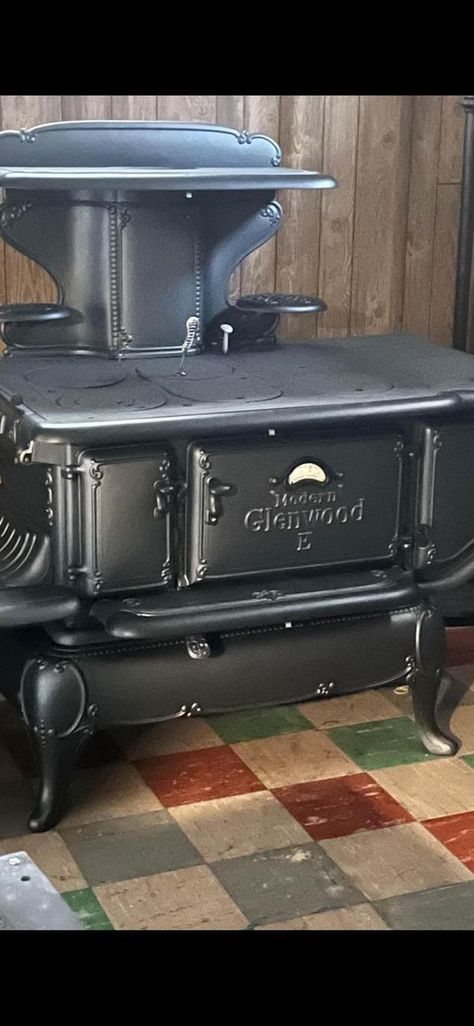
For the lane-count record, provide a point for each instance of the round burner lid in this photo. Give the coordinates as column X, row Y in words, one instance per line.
column 75, row 375
column 234, row 388
column 202, row 367
column 93, row 386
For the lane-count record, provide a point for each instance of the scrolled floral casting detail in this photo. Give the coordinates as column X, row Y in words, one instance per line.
column 323, row 689
column 122, row 211
column 13, row 212
column 22, row 134
column 27, row 136
column 55, row 710
column 96, row 472
column 248, row 137
column 273, row 212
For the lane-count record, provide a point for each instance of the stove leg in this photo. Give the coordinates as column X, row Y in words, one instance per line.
column 56, row 760
column 425, row 690
column 59, row 718
column 427, row 674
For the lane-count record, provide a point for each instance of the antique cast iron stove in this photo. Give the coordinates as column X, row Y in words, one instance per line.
column 194, row 517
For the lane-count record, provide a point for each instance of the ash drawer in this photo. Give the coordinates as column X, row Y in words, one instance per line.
column 284, row 506
column 260, row 666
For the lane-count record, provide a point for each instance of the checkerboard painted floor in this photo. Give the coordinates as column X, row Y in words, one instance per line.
column 328, row 815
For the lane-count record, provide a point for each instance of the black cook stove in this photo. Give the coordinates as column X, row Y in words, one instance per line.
column 194, row 517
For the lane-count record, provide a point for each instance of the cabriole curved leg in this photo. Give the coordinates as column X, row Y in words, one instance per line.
column 426, row 678
column 425, row 691
column 55, row 707
column 56, row 758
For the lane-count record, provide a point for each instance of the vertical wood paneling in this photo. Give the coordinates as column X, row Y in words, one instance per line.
column 297, row 243
column 452, row 135
column 25, row 281
column 27, row 111
column 425, row 148
column 337, row 213
column 187, row 108
column 380, row 213
column 261, row 114
column 83, row 108
column 377, row 245
column 230, row 111
column 134, row 108
column 444, row 264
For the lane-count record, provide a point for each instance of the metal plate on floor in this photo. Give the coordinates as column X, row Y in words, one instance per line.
column 28, row 900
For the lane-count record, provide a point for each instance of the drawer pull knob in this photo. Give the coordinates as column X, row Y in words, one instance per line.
column 197, row 647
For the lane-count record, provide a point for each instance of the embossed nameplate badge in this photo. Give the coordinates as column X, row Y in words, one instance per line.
column 304, row 520
column 293, row 505
column 266, row 519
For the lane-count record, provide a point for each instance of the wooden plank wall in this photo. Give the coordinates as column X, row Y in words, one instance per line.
column 380, row 249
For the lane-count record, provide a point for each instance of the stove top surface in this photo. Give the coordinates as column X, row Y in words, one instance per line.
column 317, row 378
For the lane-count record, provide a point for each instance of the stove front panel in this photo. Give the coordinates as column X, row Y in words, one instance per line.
column 316, row 502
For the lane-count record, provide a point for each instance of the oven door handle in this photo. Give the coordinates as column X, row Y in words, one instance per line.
column 216, row 489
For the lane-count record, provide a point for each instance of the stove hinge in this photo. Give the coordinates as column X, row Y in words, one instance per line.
column 119, row 217
column 165, row 490
column 411, row 542
column 424, row 549
column 405, row 551
column 165, row 499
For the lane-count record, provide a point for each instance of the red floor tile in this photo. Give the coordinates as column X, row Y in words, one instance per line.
column 457, row 834
column 198, row 776
column 341, row 805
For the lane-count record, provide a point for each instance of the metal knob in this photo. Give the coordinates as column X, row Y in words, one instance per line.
column 227, row 330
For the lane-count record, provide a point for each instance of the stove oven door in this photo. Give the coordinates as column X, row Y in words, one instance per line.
column 122, row 536
column 286, row 505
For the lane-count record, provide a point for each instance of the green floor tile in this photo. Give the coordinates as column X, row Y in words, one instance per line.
column 381, row 743
column 469, row 759
column 85, row 904
column 250, row 724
